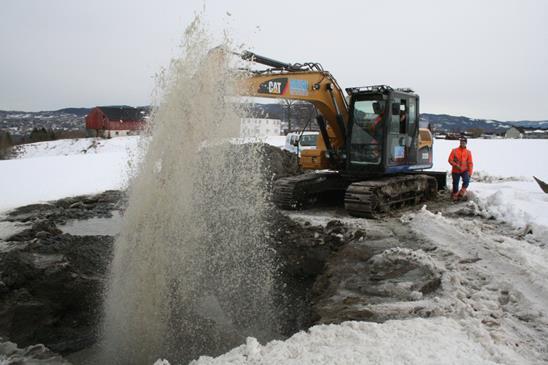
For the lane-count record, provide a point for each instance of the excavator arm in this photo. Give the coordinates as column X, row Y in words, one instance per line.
column 318, row 87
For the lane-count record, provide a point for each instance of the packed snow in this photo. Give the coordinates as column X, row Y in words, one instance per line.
column 413, row 341
column 493, row 305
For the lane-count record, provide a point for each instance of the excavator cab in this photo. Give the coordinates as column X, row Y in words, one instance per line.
column 383, row 132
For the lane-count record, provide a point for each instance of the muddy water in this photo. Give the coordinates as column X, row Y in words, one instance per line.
column 191, row 273
column 94, row 226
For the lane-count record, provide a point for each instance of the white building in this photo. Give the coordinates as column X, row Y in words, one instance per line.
column 260, row 127
column 514, row 132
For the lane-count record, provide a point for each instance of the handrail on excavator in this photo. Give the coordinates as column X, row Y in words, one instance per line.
column 279, row 65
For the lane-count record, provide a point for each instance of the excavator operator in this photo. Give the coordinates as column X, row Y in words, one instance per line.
column 463, row 167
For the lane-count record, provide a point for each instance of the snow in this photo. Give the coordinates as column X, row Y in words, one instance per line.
column 417, row 341
column 519, row 203
column 278, row 141
column 492, row 307
column 53, row 170
column 505, row 285
column 68, row 147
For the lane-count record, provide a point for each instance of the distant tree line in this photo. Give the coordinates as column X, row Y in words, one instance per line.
column 35, row 135
column 5, row 144
column 43, row 134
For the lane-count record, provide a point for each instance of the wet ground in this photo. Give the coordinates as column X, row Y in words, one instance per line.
column 52, row 272
column 333, row 268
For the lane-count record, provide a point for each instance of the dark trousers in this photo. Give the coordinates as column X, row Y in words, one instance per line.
column 456, row 180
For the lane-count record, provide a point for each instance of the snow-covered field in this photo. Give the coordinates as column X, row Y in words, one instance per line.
column 502, row 182
column 494, row 302
column 52, row 170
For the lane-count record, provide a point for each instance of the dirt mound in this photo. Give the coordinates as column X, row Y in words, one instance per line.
column 77, row 207
column 281, row 163
column 276, row 163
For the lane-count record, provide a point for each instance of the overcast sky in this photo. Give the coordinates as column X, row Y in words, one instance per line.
column 479, row 58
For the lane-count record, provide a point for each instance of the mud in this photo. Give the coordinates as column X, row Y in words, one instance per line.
column 386, row 265
column 51, row 282
column 78, row 207
column 11, row 354
column 302, row 252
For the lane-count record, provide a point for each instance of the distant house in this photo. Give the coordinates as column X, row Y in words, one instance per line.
column 260, row 127
column 453, row 136
column 514, row 132
column 119, row 120
column 536, row 133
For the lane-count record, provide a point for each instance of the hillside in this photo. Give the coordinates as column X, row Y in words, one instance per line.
column 70, row 119
column 450, row 123
column 439, row 122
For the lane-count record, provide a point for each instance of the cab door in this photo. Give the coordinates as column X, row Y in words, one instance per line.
column 412, row 131
column 403, row 132
column 398, row 141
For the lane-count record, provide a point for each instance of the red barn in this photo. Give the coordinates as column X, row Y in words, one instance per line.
column 119, row 120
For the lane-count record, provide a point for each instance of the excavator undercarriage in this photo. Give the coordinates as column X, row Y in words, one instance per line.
column 373, row 198
column 369, row 198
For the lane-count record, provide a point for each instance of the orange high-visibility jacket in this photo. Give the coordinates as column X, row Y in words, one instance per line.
column 461, row 160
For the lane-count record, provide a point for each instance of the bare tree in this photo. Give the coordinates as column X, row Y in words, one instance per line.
column 299, row 114
column 287, row 105
column 305, row 113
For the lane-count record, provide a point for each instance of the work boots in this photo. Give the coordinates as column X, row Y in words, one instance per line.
column 458, row 196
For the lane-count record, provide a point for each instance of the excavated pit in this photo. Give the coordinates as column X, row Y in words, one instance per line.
column 52, row 282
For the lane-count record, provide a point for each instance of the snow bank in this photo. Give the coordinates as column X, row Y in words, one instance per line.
column 495, row 278
column 519, row 203
column 438, row 341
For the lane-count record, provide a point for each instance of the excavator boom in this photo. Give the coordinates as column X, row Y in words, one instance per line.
column 316, row 86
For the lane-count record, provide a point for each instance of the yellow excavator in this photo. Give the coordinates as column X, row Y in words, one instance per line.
column 371, row 149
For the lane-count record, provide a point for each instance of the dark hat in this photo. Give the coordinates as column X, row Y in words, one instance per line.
column 463, row 139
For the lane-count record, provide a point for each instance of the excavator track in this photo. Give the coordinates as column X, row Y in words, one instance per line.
column 301, row 191
column 374, row 198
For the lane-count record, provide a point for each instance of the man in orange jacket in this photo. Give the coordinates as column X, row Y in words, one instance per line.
column 463, row 166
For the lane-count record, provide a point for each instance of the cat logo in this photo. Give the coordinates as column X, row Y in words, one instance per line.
column 275, row 86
